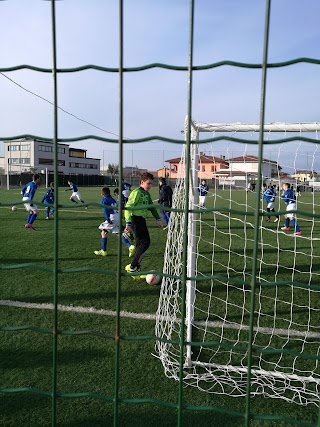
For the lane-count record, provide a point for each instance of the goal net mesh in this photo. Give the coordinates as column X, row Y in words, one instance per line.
column 284, row 341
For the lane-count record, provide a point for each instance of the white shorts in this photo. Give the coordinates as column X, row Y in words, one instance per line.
column 202, row 200
column 29, row 206
column 76, row 195
column 291, row 207
column 270, row 205
column 114, row 227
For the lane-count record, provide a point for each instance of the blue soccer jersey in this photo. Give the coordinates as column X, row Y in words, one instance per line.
column 29, row 190
column 73, row 187
column 203, row 189
column 108, row 200
column 269, row 194
column 48, row 197
column 289, row 197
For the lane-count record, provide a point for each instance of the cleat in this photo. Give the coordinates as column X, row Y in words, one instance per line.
column 285, row 228
column 47, row 217
column 276, row 220
column 132, row 270
column 101, row 252
column 298, row 233
column 29, row 226
column 132, row 250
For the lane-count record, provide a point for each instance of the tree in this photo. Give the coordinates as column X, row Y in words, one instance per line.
column 113, row 169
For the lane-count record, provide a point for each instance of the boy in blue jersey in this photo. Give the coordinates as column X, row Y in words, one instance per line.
column 28, row 192
column 111, row 222
column 127, row 238
column 48, row 200
column 203, row 191
column 126, row 188
column 289, row 198
column 75, row 193
column 269, row 194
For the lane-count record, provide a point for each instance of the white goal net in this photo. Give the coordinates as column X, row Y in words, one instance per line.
column 252, row 289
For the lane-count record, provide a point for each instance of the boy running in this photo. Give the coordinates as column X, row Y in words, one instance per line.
column 111, row 222
column 289, row 198
column 75, row 193
column 48, row 200
column 269, row 194
column 28, row 192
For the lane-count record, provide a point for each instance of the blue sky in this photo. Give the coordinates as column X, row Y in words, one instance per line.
column 155, row 101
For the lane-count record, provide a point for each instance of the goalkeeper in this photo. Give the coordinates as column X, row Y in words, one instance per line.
column 136, row 220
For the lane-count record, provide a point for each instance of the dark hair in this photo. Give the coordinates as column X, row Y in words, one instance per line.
column 145, row 176
column 105, row 191
column 116, row 191
column 36, row 176
column 163, row 180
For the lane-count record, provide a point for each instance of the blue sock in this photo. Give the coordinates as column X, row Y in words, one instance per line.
column 125, row 241
column 287, row 223
column 48, row 211
column 104, row 243
column 295, row 226
column 165, row 217
column 33, row 217
column 29, row 217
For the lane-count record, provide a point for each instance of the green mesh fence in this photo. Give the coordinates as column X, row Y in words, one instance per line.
column 246, row 416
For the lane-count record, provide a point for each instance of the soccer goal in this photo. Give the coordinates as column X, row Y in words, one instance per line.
column 227, row 263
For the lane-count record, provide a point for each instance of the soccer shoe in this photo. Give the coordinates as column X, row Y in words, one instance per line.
column 47, row 217
column 132, row 270
column 29, row 226
column 132, row 250
column 298, row 233
column 285, row 228
column 101, row 252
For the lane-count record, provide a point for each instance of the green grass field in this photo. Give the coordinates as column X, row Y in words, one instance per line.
column 86, row 361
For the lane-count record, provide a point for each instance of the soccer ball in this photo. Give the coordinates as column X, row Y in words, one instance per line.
column 14, row 208
column 153, row 279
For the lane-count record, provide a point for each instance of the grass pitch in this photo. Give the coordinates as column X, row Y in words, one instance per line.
column 86, row 360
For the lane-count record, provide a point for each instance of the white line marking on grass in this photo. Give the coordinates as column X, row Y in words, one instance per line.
column 146, row 316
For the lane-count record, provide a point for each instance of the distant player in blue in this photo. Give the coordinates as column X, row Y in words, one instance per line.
column 28, row 192
column 48, row 200
column 126, row 188
column 203, row 191
column 111, row 223
column 289, row 198
column 117, row 196
column 269, row 194
column 75, row 193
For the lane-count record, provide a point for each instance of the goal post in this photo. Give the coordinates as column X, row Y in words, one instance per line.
column 285, row 357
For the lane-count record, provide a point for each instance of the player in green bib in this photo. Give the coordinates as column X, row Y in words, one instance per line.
column 136, row 220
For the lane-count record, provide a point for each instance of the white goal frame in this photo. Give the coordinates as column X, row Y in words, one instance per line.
column 171, row 365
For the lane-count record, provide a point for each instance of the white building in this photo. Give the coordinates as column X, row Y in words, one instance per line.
column 24, row 154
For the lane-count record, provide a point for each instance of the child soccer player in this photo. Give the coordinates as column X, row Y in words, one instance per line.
column 125, row 189
column 75, row 193
column 136, row 220
column 203, row 190
column 290, row 200
column 48, row 200
column 269, row 193
column 127, row 238
column 28, row 192
column 165, row 198
column 111, row 222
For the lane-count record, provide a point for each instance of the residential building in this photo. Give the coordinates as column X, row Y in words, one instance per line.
column 25, row 154
column 208, row 166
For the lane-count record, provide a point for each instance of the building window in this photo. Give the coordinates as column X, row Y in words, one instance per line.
column 25, row 147
column 203, row 168
column 51, row 162
column 83, row 165
column 13, row 147
column 14, row 161
column 212, row 168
